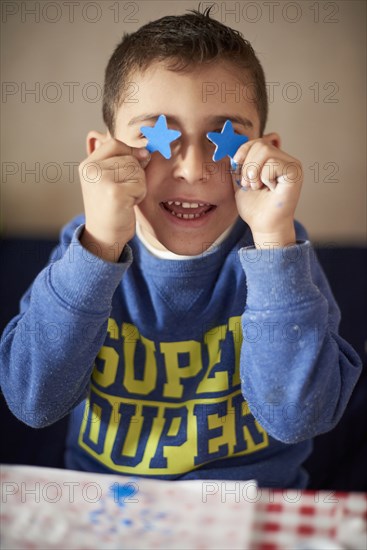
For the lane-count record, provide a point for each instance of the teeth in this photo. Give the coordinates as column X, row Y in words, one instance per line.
column 190, row 204
column 186, row 204
column 187, row 216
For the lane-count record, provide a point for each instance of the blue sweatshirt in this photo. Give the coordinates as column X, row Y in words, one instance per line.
column 223, row 366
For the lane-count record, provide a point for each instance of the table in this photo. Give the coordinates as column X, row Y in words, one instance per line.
column 44, row 508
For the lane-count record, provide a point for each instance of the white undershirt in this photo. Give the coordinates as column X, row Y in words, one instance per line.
column 168, row 255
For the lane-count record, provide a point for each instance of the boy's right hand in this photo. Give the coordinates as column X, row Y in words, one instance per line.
column 113, row 182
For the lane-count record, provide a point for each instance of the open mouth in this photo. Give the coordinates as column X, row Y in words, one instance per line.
column 187, row 210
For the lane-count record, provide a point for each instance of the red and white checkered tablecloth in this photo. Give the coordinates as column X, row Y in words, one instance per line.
column 292, row 519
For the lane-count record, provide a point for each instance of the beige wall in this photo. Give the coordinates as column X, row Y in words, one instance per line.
column 313, row 50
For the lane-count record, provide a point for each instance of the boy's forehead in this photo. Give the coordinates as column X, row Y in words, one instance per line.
column 211, row 94
column 218, row 73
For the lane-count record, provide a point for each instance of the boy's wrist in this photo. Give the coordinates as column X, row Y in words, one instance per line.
column 277, row 239
column 108, row 250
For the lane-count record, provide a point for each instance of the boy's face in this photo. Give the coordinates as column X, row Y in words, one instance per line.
column 195, row 103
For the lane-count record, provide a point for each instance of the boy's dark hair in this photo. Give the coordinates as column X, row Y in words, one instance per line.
column 182, row 42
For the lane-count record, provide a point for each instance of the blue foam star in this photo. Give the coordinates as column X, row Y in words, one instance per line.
column 160, row 137
column 227, row 142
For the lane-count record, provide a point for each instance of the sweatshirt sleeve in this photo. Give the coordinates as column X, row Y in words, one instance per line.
column 47, row 351
column 297, row 373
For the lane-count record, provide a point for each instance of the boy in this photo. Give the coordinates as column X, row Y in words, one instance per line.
column 186, row 324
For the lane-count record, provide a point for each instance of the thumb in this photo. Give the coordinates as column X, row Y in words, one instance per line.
column 273, row 138
column 143, row 156
column 237, row 178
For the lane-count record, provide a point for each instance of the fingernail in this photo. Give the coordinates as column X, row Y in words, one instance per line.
column 251, row 174
column 234, row 165
column 143, row 153
column 268, row 183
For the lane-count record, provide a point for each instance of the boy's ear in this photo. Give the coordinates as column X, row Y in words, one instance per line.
column 273, row 138
column 95, row 140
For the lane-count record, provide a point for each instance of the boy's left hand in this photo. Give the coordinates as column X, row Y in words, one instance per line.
column 270, row 186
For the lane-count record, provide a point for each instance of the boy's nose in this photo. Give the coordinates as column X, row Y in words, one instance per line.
column 190, row 163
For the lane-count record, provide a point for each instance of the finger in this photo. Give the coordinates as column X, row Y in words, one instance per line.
column 260, row 165
column 236, row 175
column 273, row 139
column 271, row 170
column 250, row 157
column 114, row 147
column 123, row 169
column 239, row 175
column 136, row 191
column 291, row 172
column 238, row 187
column 116, row 170
column 242, row 151
column 282, row 171
column 265, row 177
column 127, row 191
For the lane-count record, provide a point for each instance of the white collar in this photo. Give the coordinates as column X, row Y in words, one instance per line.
column 168, row 255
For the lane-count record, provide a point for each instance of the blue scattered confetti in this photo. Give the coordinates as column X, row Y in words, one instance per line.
column 108, row 524
column 122, row 492
column 94, row 515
